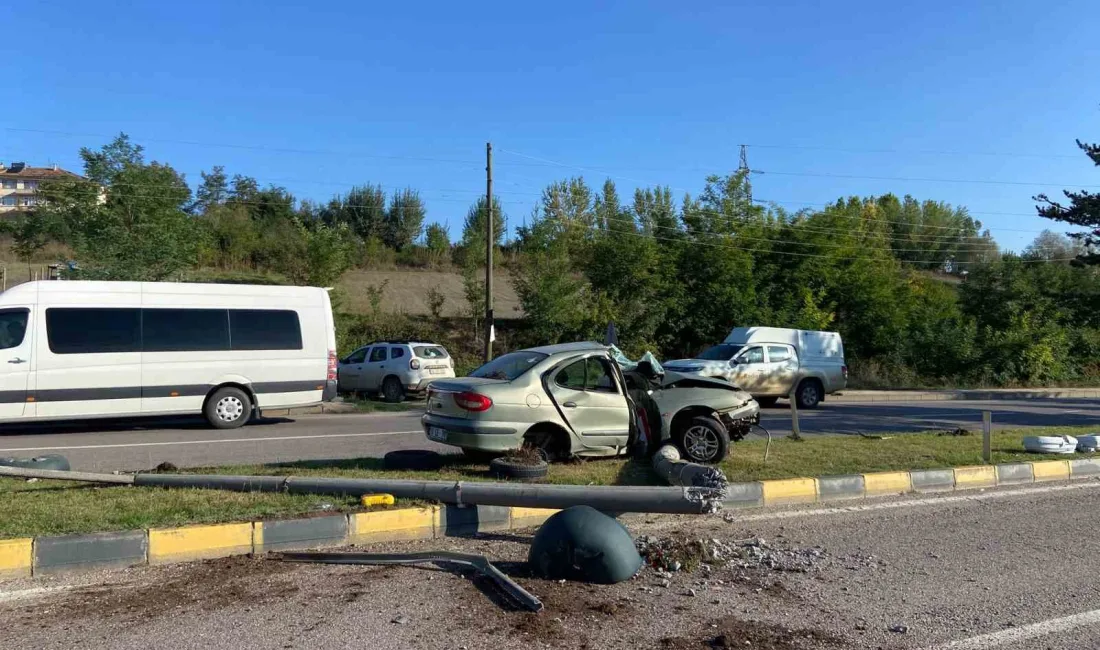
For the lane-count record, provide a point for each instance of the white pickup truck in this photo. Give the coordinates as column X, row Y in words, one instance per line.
column 768, row 362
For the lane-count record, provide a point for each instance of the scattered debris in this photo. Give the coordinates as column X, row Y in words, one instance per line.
column 898, row 628
column 674, row 554
column 734, row 633
column 956, row 432
column 400, row 620
column 477, row 562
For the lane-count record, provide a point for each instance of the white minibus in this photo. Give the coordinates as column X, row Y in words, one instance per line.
column 71, row 350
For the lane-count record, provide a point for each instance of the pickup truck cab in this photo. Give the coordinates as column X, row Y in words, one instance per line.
column 770, row 362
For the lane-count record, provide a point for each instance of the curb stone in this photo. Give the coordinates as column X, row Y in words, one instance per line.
column 72, row 553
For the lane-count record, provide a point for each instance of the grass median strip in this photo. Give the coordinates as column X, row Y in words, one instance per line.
column 56, row 508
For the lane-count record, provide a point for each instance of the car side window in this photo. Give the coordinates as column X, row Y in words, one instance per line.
column 778, row 353
column 358, row 356
column 397, row 353
column 572, row 376
column 13, row 327
column 377, row 354
column 600, row 376
column 753, row 355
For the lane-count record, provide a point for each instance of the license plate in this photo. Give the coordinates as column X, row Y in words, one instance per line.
column 437, row 434
column 436, row 371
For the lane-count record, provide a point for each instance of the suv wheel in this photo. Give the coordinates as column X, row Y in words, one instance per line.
column 392, row 390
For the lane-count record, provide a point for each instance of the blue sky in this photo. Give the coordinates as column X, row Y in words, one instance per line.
column 407, row 94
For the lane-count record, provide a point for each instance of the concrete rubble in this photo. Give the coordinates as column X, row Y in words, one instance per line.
column 670, row 555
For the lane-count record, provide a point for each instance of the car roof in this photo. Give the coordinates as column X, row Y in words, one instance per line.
column 400, row 343
column 580, row 346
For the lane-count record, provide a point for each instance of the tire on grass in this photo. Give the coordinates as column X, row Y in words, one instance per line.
column 521, row 469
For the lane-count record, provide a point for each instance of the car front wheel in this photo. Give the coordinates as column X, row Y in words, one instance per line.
column 704, row 440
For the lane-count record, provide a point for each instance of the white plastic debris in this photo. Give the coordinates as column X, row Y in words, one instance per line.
column 1050, row 444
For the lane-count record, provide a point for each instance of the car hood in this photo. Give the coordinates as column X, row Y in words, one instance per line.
column 697, row 365
column 673, row 379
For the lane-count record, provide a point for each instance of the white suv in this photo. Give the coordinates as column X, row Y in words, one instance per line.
column 394, row 368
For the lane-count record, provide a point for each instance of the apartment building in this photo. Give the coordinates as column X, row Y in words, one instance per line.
column 19, row 184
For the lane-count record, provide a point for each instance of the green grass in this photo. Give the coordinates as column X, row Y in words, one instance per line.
column 53, row 508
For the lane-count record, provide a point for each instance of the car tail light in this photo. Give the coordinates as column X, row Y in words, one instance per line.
column 844, row 369
column 332, row 365
column 473, row 402
column 415, row 364
column 451, row 361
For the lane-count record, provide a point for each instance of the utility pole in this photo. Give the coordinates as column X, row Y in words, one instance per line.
column 743, row 167
column 489, row 331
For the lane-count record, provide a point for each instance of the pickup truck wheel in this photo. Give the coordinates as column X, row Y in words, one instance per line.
column 809, row 394
column 704, row 440
column 766, row 402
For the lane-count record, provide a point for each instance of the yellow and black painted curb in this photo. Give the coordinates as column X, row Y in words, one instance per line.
column 44, row 555
column 858, row 486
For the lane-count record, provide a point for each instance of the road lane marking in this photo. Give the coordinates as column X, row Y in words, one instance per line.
column 221, row 441
column 1023, row 633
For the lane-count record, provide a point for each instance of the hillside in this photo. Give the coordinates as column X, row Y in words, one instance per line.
column 407, row 291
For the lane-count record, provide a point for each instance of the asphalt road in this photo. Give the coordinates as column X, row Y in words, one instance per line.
column 1004, row 568
column 104, row 446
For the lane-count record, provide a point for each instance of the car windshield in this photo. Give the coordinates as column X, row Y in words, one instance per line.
column 723, row 352
column 430, row 352
column 509, row 366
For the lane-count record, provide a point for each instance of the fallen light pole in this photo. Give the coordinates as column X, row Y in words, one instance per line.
column 702, row 482
column 482, row 564
column 606, row 498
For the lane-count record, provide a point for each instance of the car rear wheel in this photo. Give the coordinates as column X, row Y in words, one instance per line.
column 392, row 390
column 809, row 394
column 228, row 408
column 704, row 440
column 549, row 443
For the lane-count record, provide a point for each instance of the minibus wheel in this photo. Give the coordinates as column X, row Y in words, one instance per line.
column 228, row 408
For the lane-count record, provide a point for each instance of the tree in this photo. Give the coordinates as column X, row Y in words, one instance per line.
column 404, row 219
column 473, row 228
column 103, row 166
column 610, row 214
column 438, row 242
column 1051, row 246
column 30, row 232
column 1083, row 209
column 363, row 209
column 656, row 213
column 213, row 191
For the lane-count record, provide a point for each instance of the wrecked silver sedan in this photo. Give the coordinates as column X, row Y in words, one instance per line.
column 574, row 399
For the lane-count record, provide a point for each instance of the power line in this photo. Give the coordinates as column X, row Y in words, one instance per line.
column 917, row 179
column 919, row 152
column 813, row 255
